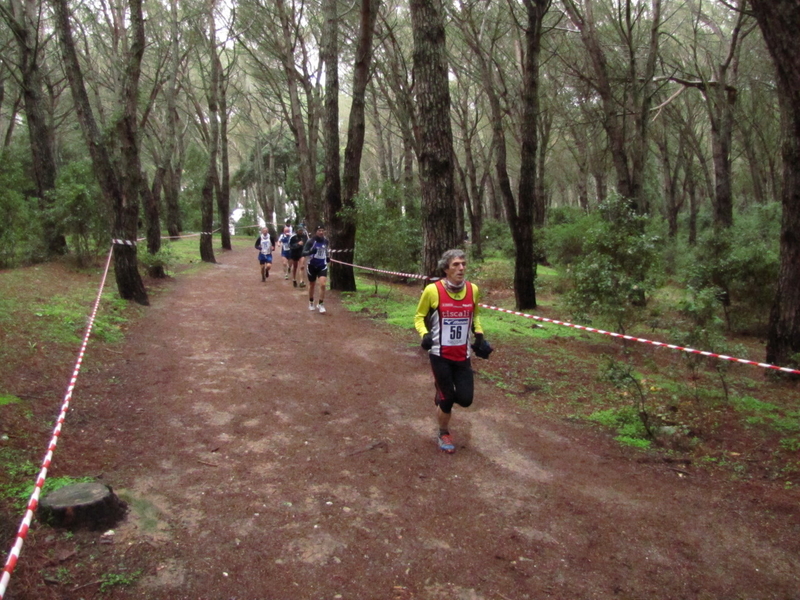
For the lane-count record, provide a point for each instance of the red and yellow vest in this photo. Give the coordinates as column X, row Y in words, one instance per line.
column 451, row 324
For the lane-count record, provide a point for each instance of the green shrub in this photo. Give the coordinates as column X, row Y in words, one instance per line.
column 618, row 269
column 20, row 229
column 739, row 268
column 78, row 206
column 383, row 240
column 564, row 236
column 497, row 238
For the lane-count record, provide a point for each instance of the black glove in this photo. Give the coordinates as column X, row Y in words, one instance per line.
column 427, row 342
column 481, row 347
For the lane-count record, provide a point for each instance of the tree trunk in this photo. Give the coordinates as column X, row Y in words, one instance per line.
column 439, row 210
column 332, row 193
column 22, row 21
column 342, row 277
column 529, row 205
column 171, row 181
column 224, row 193
column 780, row 21
column 721, row 140
column 211, row 182
column 123, row 198
column 303, row 136
column 153, row 220
column 693, row 208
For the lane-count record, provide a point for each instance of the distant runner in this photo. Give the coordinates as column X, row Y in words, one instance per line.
column 317, row 249
column 283, row 241
column 265, row 247
column 296, row 244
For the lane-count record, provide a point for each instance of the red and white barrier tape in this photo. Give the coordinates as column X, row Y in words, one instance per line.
column 644, row 341
column 125, row 242
column 603, row 332
column 381, row 270
column 22, row 533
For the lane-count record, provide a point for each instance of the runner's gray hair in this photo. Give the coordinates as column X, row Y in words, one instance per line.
column 448, row 257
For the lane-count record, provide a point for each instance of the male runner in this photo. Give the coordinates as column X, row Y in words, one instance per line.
column 317, row 249
column 296, row 244
column 265, row 247
column 283, row 240
column 446, row 313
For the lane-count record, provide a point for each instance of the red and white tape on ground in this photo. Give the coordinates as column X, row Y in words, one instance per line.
column 22, row 533
column 631, row 338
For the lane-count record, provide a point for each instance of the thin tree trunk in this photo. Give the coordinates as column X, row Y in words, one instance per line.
column 171, row 180
column 152, row 218
column 224, row 193
column 342, row 277
column 210, row 184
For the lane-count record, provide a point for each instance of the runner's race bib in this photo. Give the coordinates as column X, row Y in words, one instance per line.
column 455, row 332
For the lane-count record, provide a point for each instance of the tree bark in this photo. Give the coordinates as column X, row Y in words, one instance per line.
column 780, row 21
column 439, row 211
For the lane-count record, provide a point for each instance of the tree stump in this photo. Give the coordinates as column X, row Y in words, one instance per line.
column 90, row 505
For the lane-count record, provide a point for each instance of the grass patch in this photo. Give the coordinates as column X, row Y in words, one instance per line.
column 112, row 580
column 626, row 423
column 18, row 483
column 9, row 399
column 766, row 414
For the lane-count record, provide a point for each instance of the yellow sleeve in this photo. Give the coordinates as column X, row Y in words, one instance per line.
column 428, row 301
column 476, row 320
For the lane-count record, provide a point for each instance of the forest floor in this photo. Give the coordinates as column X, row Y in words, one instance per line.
column 270, row 452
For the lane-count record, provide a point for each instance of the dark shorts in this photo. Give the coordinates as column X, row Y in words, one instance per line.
column 454, row 382
column 314, row 272
column 296, row 256
column 265, row 258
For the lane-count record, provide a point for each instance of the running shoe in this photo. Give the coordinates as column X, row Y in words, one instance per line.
column 286, row 276
column 266, row 274
column 295, row 283
column 310, row 306
column 302, row 284
column 321, row 308
column 446, row 443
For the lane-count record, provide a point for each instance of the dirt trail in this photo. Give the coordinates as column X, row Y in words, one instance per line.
column 269, row 452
